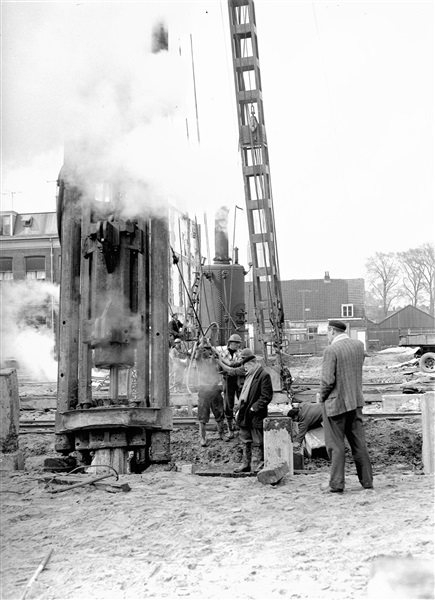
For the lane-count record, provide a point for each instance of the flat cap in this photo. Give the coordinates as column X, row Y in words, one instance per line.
column 337, row 325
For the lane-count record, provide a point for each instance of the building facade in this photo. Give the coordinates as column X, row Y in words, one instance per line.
column 309, row 304
column 29, row 247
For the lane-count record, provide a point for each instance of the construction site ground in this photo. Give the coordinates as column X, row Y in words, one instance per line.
column 176, row 534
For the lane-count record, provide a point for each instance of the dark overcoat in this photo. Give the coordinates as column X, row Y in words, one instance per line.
column 259, row 396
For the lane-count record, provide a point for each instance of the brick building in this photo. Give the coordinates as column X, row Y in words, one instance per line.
column 29, row 247
column 308, row 305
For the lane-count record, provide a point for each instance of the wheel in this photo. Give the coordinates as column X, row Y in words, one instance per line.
column 427, row 362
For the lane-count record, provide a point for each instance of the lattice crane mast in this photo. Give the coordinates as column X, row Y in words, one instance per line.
column 257, row 184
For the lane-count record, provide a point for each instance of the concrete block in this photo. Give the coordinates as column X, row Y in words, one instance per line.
column 13, row 461
column 278, row 447
column 9, row 410
column 273, row 475
column 427, row 423
column 401, row 402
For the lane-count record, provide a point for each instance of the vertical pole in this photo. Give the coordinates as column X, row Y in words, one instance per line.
column 69, row 300
column 159, row 275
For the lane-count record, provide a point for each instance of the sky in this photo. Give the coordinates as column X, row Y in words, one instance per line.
column 348, row 102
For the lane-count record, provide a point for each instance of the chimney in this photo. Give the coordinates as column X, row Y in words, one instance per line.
column 327, row 279
column 221, row 237
column 159, row 38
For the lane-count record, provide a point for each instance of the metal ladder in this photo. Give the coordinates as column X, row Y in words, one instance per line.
column 256, row 175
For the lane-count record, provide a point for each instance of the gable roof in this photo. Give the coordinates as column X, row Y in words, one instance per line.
column 323, row 297
column 408, row 316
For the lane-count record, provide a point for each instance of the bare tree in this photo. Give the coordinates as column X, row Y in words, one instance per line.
column 412, row 268
column 383, row 276
column 427, row 253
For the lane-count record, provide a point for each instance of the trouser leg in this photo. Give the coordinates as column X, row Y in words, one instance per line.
column 245, row 467
column 354, row 432
column 202, row 434
column 231, row 387
column 257, row 462
column 246, row 439
column 217, row 407
column 334, row 440
column 221, row 431
column 204, row 404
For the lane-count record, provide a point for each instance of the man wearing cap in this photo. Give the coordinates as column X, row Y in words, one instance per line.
column 229, row 355
column 342, row 397
column 254, row 398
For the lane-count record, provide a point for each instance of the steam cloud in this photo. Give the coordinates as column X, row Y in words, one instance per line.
column 31, row 343
column 93, row 81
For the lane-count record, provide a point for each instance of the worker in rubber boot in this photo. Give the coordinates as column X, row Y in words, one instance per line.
column 229, row 355
column 210, row 391
column 256, row 395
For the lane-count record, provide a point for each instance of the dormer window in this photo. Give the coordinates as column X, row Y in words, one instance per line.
column 5, row 225
column 346, row 310
column 27, row 221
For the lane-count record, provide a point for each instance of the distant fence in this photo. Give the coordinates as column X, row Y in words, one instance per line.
column 315, row 346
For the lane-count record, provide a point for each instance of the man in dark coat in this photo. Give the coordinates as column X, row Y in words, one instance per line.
column 254, row 398
column 308, row 416
column 342, row 397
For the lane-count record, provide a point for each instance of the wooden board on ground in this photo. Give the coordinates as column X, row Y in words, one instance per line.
column 314, row 439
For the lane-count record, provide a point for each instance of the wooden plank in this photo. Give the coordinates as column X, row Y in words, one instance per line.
column 314, row 439
column 69, row 335
column 37, row 402
column 428, row 420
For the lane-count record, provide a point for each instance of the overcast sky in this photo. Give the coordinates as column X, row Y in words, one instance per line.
column 348, row 100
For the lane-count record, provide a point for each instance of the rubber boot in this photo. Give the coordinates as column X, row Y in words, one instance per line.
column 257, row 462
column 202, row 434
column 230, row 428
column 245, row 467
column 221, row 431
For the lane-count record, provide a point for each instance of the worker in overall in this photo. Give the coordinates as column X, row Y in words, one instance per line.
column 210, row 390
column 308, row 416
column 256, row 394
column 229, row 355
column 342, row 400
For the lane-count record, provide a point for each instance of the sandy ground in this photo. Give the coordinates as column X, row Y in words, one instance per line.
column 177, row 534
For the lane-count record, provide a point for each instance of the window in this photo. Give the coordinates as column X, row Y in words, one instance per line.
column 5, row 225
column 6, row 273
column 347, row 310
column 35, row 267
column 312, row 331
